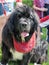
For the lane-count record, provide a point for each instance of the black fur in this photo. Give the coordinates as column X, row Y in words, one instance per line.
column 22, row 19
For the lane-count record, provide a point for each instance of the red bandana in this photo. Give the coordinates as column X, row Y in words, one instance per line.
column 25, row 47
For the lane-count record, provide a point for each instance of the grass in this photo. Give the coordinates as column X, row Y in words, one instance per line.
column 43, row 37
column 28, row 2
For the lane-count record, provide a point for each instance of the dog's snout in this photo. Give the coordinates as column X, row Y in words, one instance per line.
column 24, row 25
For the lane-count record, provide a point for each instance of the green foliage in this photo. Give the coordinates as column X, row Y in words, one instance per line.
column 44, row 33
column 14, row 4
column 28, row 2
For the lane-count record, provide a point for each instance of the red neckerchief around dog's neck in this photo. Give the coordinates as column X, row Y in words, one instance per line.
column 25, row 47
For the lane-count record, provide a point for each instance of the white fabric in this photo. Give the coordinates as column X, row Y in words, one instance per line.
column 36, row 64
column 44, row 24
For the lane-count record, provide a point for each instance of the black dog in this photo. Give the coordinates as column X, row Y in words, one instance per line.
column 20, row 27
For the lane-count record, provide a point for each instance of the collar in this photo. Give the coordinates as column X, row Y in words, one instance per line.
column 25, row 47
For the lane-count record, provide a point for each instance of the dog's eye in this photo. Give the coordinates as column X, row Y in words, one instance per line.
column 19, row 16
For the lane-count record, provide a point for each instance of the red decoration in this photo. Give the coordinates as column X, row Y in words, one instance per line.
column 44, row 19
column 25, row 47
column 18, row 0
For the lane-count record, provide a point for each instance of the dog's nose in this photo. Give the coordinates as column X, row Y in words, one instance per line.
column 24, row 25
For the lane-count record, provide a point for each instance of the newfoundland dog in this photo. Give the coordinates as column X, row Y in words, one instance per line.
column 17, row 35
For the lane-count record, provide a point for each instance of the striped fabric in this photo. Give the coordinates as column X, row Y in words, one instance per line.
column 44, row 21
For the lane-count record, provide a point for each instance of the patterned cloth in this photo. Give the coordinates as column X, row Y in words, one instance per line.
column 40, row 4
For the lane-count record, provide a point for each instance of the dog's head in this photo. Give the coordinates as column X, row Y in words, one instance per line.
column 24, row 23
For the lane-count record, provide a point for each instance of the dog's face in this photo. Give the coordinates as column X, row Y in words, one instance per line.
column 25, row 23
column 25, row 27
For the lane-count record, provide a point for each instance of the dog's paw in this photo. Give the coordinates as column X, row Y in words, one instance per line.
column 36, row 64
column 0, row 64
column 3, row 64
column 7, row 64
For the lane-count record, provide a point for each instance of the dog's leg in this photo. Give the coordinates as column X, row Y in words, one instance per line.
column 26, row 59
column 5, row 54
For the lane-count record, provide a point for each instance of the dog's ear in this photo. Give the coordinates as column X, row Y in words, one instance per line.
column 10, row 23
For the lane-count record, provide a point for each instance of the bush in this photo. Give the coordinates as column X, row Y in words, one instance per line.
column 28, row 2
